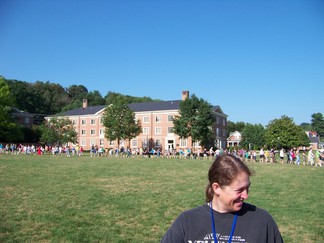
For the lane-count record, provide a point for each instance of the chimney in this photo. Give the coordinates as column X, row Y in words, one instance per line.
column 185, row 95
column 85, row 103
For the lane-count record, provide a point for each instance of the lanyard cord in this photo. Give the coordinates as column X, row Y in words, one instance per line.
column 214, row 228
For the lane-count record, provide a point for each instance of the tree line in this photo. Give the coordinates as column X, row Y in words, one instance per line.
column 195, row 118
column 46, row 98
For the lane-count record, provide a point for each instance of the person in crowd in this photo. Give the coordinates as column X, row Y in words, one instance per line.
column 282, row 155
column 225, row 217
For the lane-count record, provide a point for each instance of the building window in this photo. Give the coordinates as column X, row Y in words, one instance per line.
column 101, row 121
column 170, row 129
column 111, row 142
column 101, row 142
column 92, row 142
column 146, row 119
column 93, row 121
column 217, row 132
column 224, row 121
column 27, row 120
column 83, row 122
column 196, row 144
column 158, row 119
column 224, row 132
column 101, row 131
column 83, row 142
column 74, row 122
column 145, row 130
column 92, row 131
column 134, row 143
column 183, row 142
column 158, row 143
column 158, row 130
column 170, row 118
column 217, row 120
column 83, row 132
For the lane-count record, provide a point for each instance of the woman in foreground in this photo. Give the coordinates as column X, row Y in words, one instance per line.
column 225, row 217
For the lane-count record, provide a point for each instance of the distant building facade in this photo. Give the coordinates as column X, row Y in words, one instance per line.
column 313, row 138
column 234, row 139
column 156, row 121
column 22, row 117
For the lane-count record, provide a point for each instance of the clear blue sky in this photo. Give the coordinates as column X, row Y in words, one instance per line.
column 257, row 59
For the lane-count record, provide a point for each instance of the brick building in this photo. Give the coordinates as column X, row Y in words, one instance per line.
column 156, row 121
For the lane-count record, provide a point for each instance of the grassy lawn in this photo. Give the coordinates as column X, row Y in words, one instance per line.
column 83, row 199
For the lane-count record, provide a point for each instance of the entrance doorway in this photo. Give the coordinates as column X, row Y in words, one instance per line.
column 170, row 145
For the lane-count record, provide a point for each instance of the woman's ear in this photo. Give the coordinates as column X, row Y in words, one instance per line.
column 216, row 188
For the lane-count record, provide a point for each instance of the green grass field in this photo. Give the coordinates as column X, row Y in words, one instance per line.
column 83, row 199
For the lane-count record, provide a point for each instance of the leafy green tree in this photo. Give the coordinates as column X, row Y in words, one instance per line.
column 58, row 131
column 232, row 127
column 9, row 130
column 195, row 120
column 285, row 133
column 119, row 122
column 318, row 123
column 253, row 136
column 306, row 126
column 77, row 92
column 112, row 98
column 95, row 98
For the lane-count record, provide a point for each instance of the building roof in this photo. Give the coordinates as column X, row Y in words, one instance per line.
column 155, row 106
column 136, row 107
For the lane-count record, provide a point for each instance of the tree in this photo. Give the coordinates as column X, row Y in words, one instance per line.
column 232, row 127
column 112, row 98
column 77, row 92
column 119, row 122
column 9, row 130
column 195, row 120
column 285, row 133
column 58, row 131
column 306, row 126
column 318, row 123
column 95, row 98
column 253, row 136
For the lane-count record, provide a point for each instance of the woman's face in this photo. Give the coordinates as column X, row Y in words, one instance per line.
column 230, row 198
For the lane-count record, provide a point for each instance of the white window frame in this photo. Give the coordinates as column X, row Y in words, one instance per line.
column 158, row 142
column 101, row 131
column 93, row 121
column 183, row 143
column 92, row 131
column 146, row 119
column 146, row 130
column 170, row 118
column 158, row 119
column 170, row 129
column 83, row 122
column 134, row 143
column 158, row 130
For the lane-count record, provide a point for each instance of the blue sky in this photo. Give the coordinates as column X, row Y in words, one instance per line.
column 257, row 59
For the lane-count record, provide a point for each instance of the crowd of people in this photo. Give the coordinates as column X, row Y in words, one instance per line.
column 310, row 156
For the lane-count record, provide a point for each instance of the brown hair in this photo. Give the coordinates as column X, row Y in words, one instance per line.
column 223, row 171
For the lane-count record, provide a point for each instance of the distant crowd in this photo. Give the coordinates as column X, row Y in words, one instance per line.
column 309, row 156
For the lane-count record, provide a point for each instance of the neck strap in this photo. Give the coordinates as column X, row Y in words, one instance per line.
column 214, row 228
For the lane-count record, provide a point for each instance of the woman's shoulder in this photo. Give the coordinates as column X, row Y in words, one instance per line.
column 250, row 210
column 199, row 210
